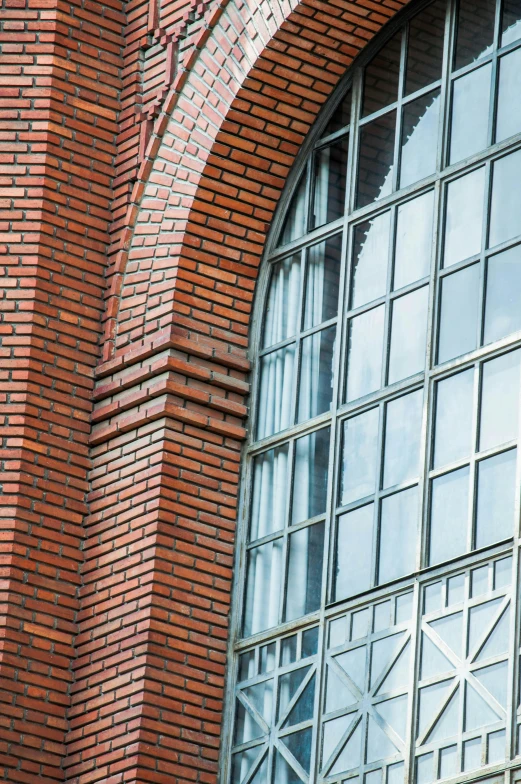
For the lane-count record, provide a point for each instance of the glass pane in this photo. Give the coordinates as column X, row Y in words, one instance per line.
column 402, row 438
column 398, row 535
column 472, row 754
column 270, row 489
column 365, row 350
column 475, row 32
column 508, row 120
column 370, row 259
column 408, row 334
column 283, row 304
column 413, row 250
column 453, row 429
column 376, row 159
column 309, row 642
column 425, row 769
column 449, row 515
column 464, row 217
column 310, row 475
column 510, row 21
column 295, row 222
column 505, row 208
column 341, row 116
column 449, row 762
column 496, row 747
column 243, row 762
column 288, row 650
column 496, row 498
column 503, row 298
column 263, row 587
column 459, row 313
column 381, row 77
column 304, row 587
column 267, row 659
column 425, row 47
column 419, row 141
column 276, row 391
column 354, row 552
column 330, row 170
column 322, row 281
column 470, row 110
column 500, row 400
column 360, row 444
column 316, row 374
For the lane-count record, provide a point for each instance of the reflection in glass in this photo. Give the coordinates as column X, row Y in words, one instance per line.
column 458, row 331
column 365, row 348
column 354, row 552
column 453, row 427
column 510, row 21
column 270, row 492
column 310, row 475
column 499, row 400
column 503, row 297
column 370, row 259
column 505, row 206
column 464, row 217
column 316, row 374
column 496, row 498
column 376, row 159
column 470, row 110
column 425, row 47
column 283, row 303
column 263, row 587
column 276, row 391
column 449, row 515
column 425, row 769
column 322, row 281
column 508, row 119
column 360, row 444
column 475, row 31
column 408, row 334
column 496, row 747
column 295, row 222
column 398, row 534
column 413, row 240
column 419, row 138
column 402, row 429
column 341, row 117
column 329, row 183
column 303, row 592
column 381, row 77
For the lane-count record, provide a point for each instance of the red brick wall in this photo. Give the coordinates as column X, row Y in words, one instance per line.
column 116, row 583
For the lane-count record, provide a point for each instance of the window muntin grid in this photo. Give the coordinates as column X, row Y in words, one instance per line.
column 463, row 259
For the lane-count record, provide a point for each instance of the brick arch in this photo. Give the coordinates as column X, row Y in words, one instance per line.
column 171, row 394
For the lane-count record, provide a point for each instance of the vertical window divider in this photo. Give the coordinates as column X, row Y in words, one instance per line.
column 473, row 469
column 410, row 759
column 513, row 665
column 399, row 110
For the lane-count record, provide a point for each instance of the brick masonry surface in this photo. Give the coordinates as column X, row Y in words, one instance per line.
column 143, row 150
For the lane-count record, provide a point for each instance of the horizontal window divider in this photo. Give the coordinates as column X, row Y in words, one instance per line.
column 473, row 66
column 459, row 265
column 318, row 328
column 384, row 394
column 506, row 245
column 282, row 630
column 311, row 238
column 276, row 346
column 490, row 351
column 325, row 141
column 495, row 450
column 380, row 113
column 422, row 91
column 295, row 431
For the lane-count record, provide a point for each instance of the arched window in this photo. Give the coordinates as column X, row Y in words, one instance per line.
column 376, row 621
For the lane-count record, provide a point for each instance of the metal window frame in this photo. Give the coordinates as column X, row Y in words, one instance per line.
column 437, row 181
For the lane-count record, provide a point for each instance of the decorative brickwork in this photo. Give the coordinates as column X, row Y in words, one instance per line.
column 115, row 604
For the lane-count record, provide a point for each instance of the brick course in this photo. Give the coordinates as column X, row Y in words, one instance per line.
column 144, row 151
